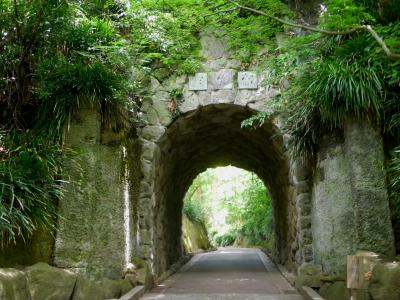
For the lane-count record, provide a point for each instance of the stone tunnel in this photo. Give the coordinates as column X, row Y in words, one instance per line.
column 322, row 211
column 209, row 137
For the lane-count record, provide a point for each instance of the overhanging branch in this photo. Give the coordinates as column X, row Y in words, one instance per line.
column 368, row 28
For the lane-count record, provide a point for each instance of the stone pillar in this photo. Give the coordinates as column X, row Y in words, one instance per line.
column 91, row 228
column 364, row 152
column 301, row 174
column 350, row 208
column 332, row 208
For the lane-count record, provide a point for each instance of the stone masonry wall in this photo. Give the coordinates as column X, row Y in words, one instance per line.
column 350, row 208
column 92, row 231
column 204, row 131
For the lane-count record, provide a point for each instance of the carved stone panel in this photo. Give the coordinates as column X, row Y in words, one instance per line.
column 247, row 80
column 198, row 82
column 222, row 79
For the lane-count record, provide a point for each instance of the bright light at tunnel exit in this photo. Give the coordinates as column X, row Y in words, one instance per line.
column 230, row 180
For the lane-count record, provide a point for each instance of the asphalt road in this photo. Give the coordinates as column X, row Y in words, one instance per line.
column 226, row 274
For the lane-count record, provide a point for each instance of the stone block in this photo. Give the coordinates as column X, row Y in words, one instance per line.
column 222, row 79
column 133, row 279
column 309, row 275
column 223, row 96
column 198, row 82
column 148, row 149
column 145, row 237
column 111, row 288
column 125, row 286
column 335, row 291
column 301, row 170
column 87, row 289
column 144, row 275
column 303, row 222
column 45, row 282
column 152, row 133
column 13, row 285
column 247, row 80
column 303, row 187
column 191, row 102
column 213, row 47
column 305, row 237
column 385, row 281
column 307, row 253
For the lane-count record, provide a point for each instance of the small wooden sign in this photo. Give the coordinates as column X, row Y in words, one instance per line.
column 355, row 277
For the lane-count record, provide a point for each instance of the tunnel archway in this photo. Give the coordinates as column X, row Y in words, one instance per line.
column 212, row 136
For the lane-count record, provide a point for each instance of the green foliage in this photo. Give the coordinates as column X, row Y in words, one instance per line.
column 342, row 15
column 255, row 120
column 233, row 205
column 250, row 213
column 394, row 192
column 226, row 239
column 336, row 78
column 249, row 33
column 194, row 211
column 30, row 185
column 165, row 36
column 394, row 175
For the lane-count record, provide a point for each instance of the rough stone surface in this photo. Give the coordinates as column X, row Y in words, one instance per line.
column 38, row 247
column 247, row 80
column 350, row 202
column 13, row 285
column 319, row 217
column 332, row 220
column 209, row 137
column 125, row 286
column 335, row 291
column 385, row 283
column 364, row 153
column 87, row 289
column 144, row 275
column 194, row 236
column 50, row 283
column 222, row 79
column 91, row 232
column 110, row 288
column 198, row 82
column 309, row 275
column 208, row 133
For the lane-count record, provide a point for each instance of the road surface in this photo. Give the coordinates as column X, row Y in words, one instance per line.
column 226, row 274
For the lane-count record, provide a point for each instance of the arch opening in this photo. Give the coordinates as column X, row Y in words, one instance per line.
column 225, row 207
column 212, row 136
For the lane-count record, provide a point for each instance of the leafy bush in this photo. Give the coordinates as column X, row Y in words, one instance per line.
column 226, row 239
column 194, row 211
column 30, row 185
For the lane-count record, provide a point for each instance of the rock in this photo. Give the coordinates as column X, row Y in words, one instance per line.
column 309, row 275
column 111, row 288
column 303, row 187
column 301, row 170
column 87, row 289
column 324, row 289
column 13, row 285
column 335, row 291
column 132, row 279
column 125, row 285
column 152, row 133
column 47, row 282
column 144, row 274
column 385, row 282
